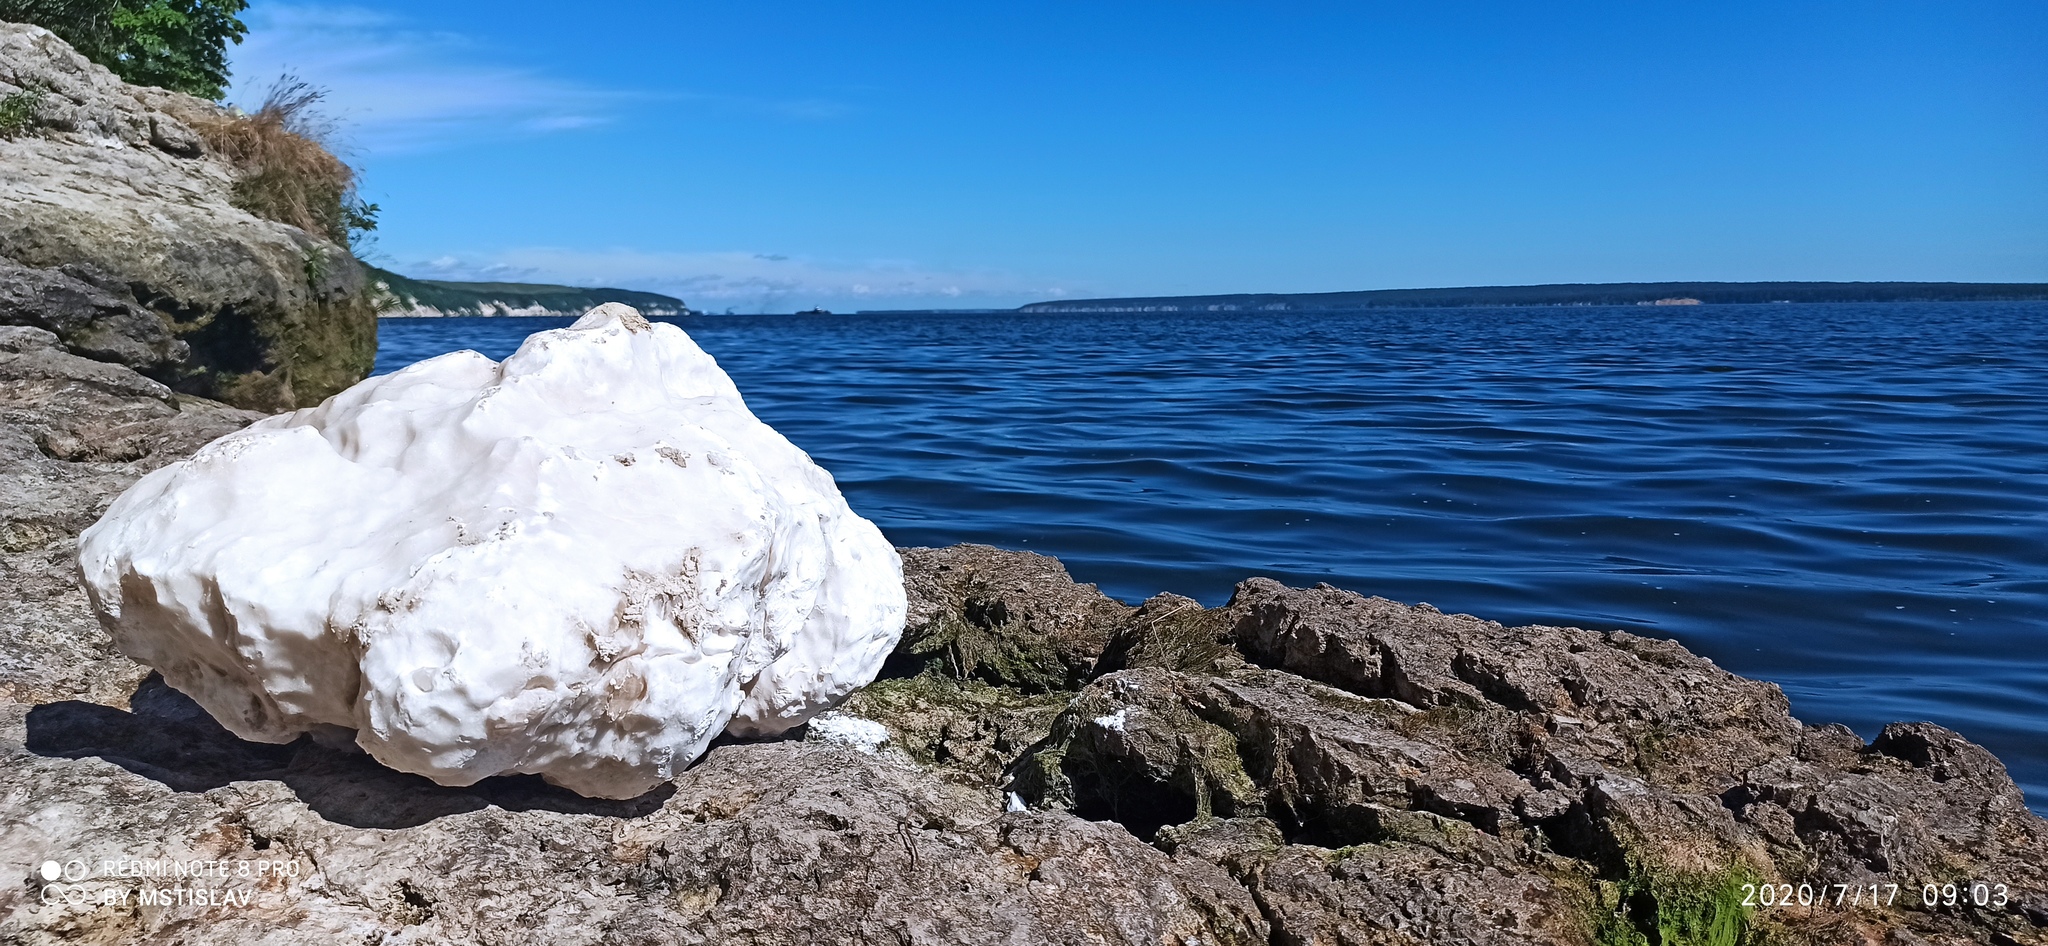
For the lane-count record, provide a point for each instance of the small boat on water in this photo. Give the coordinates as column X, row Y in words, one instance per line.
column 815, row 312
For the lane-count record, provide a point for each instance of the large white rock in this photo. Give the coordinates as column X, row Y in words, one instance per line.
column 585, row 562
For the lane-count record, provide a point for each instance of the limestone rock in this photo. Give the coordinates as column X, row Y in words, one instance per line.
column 90, row 318
column 116, row 191
column 1403, row 894
column 785, row 844
column 1601, row 699
column 1454, row 780
column 74, row 433
column 584, row 563
column 1012, row 618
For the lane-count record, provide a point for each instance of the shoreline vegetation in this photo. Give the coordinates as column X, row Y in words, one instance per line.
column 402, row 297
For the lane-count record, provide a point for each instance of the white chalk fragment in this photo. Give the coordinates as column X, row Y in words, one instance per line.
column 864, row 734
column 585, row 562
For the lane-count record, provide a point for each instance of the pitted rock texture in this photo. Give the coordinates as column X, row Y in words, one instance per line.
column 785, row 843
column 119, row 233
column 74, row 433
column 1446, row 779
column 1010, row 618
column 1310, row 766
column 584, row 563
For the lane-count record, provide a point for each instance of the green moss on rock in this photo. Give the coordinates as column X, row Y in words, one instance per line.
column 1006, row 618
column 988, row 645
column 1488, row 733
column 970, row 728
column 1646, row 907
column 311, row 342
column 1170, row 632
column 1129, row 750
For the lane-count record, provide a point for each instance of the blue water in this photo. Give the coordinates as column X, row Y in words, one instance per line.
column 1848, row 500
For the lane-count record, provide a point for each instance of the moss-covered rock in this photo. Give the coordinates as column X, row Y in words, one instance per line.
column 965, row 727
column 1009, row 618
column 1128, row 749
column 1171, row 632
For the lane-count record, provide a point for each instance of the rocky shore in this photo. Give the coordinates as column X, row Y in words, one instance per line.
column 1038, row 764
column 124, row 233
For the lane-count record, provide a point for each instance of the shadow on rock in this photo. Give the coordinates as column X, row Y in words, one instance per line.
column 170, row 739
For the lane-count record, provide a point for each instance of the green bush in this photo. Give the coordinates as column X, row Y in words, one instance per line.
column 172, row 44
column 18, row 113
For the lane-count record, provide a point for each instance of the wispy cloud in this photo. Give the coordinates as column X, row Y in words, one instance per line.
column 749, row 281
column 395, row 87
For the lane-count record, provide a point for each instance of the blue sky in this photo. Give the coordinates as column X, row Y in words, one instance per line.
column 766, row 157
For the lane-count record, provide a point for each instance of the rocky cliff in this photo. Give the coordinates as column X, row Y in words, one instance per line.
column 401, row 297
column 119, row 231
column 1038, row 764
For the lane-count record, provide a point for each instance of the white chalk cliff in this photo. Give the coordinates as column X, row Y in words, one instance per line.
column 585, row 562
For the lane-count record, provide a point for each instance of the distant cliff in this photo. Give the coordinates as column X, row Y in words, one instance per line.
column 1641, row 293
column 404, row 297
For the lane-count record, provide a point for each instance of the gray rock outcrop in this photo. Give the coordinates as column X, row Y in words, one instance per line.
column 91, row 315
column 119, row 232
column 74, row 433
column 1040, row 764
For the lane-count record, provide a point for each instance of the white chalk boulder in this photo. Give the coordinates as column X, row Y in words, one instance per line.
column 585, row 562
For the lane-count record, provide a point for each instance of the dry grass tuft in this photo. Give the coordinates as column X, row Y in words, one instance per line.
column 288, row 172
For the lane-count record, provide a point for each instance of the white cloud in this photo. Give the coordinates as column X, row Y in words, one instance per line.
column 393, row 87
column 747, row 281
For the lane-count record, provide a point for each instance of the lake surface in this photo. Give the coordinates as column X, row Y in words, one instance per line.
column 1848, row 500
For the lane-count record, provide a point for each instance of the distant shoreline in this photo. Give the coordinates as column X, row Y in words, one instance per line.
column 402, row 297
column 409, row 298
column 1565, row 294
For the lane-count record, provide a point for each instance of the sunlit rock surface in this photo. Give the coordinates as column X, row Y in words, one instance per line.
column 584, row 563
